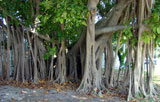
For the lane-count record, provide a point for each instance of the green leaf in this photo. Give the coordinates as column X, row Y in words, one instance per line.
column 158, row 30
column 147, row 21
column 64, row 15
column 154, row 36
column 154, row 29
column 61, row 20
column 84, row 23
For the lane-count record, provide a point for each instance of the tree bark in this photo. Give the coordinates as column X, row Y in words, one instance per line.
column 8, row 50
column 61, row 70
column 114, row 60
column 90, row 81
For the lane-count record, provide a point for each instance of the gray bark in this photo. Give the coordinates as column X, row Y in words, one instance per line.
column 61, row 70
column 91, row 79
column 114, row 60
column 8, row 50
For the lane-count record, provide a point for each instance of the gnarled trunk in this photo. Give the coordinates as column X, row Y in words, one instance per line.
column 91, row 79
column 61, row 70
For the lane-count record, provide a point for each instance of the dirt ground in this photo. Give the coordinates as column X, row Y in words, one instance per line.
column 16, row 94
column 13, row 93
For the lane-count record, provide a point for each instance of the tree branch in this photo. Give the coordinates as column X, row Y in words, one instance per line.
column 27, row 28
column 110, row 29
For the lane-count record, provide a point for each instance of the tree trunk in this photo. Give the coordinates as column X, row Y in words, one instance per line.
column 108, row 63
column 137, row 68
column 35, row 62
column 114, row 60
column 61, row 64
column 91, row 79
column 8, row 50
column 51, row 67
column 22, row 57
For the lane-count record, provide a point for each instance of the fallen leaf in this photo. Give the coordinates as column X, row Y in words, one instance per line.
column 83, row 98
column 41, row 81
column 37, row 94
column 101, row 96
column 45, row 92
column 94, row 95
column 59, row 99
column 68, row 87
column 65, row 83
column 59, row 90
column 13, row 99
column 46, row 99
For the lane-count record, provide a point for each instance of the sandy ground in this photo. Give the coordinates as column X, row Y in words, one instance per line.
column 17, row 94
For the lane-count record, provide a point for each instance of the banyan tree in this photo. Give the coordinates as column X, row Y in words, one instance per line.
column 60, row 40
